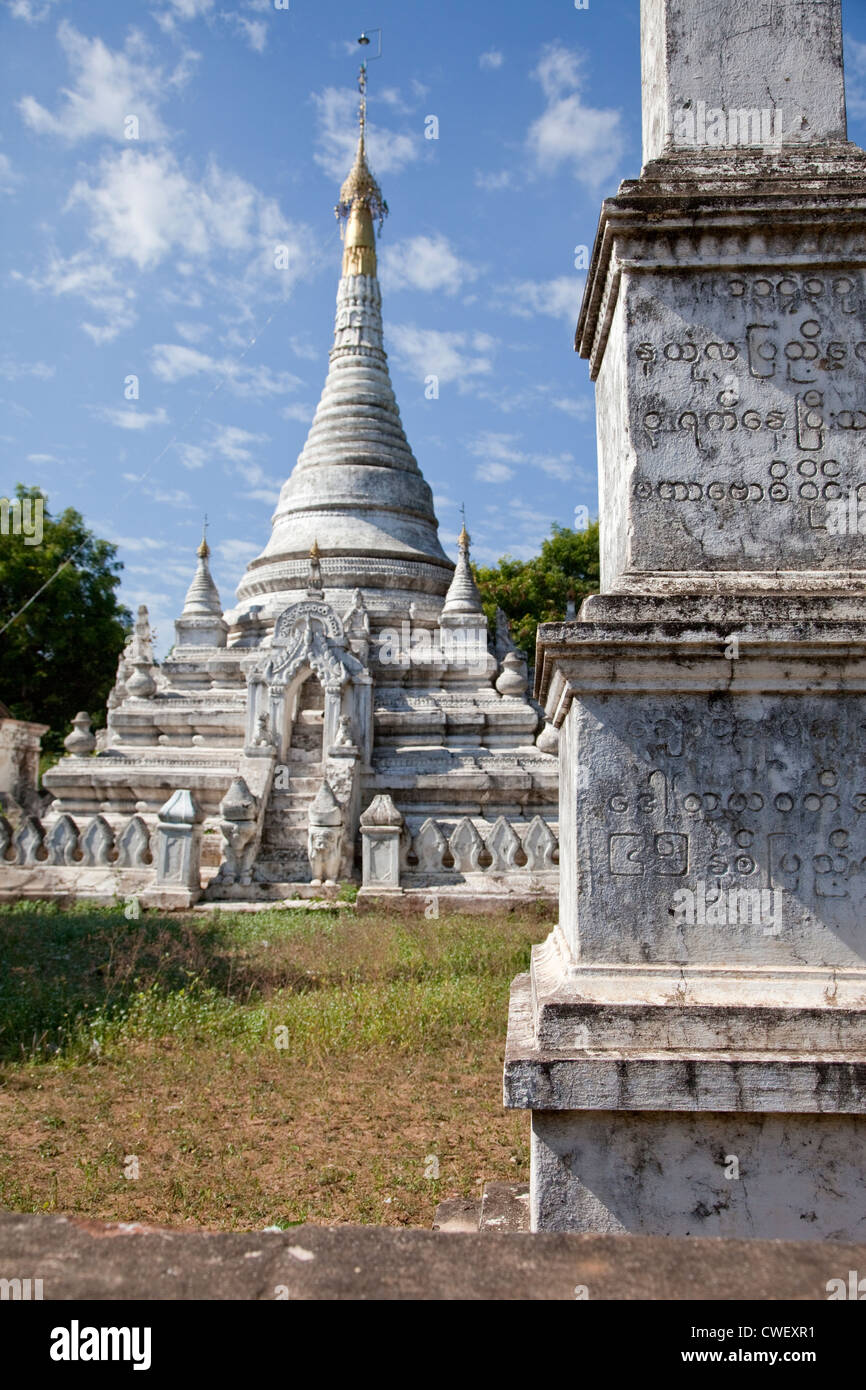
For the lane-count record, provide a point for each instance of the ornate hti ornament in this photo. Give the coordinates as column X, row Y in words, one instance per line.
column 361, row 202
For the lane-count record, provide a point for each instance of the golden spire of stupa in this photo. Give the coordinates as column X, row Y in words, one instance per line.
column 361, row 202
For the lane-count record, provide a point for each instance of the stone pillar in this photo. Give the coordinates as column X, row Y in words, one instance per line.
column 177, row 856
column 381, row 825
column 692, row 1039
column 785, row 58
column 20, row 744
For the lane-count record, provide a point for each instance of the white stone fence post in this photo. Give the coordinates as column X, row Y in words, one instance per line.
column 381, row 824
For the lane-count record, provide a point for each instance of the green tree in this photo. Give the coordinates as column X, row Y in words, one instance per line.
column 536, row 591
column 60, row 655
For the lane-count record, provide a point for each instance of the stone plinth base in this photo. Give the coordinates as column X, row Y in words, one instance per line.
column 434, row 902
column 641, row 1125
column 218, row 892
column 170, row 899
column 777, row 1177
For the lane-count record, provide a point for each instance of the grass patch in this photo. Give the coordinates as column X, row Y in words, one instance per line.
column 261, row 1068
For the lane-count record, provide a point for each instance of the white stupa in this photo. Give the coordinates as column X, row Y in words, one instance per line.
column 357, row 655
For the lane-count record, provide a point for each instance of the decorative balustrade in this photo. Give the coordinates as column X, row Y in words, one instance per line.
column 468, row 846
column 65, row 844
column 450, row 850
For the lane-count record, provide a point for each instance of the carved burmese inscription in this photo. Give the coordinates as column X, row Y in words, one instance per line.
column 747, row 411
column 753, row 794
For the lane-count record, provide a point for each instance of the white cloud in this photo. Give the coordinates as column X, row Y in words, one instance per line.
column 12, row 369
column 145, row 207
column 424, row 263
column 134, row 543
column 29, row 10
column 302, row 413
column 108, row 85
column 492, row 59
column 237, row 552
column 190, row 9
column 132, row 419
column 492, row 472
column 567, row 132
column 9, row 180
column 228, row 442
column 498, row 451
column 91, row 279
column 219, row 231
column 191, row 332
column 305, row 350
column 192, row 456
column 173, row 497
column 494, row 183
column 260, row 488
column 184, row 10
column 174, row 362
column 255, row 31
column 42, row 458
column 449, row 356
column 559, row 298
column 389, row 151
column 232, row 442
column 579, row 407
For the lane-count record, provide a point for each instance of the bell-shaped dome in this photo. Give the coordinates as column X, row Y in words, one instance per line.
column 356, row 488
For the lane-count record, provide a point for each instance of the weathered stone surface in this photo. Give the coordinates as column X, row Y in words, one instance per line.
column 791, row 1177
column 20, row 743
column 61, row 842
column 381, row 827
column 133, row 845
column 178, row 849
column 755, row 54
column 95, row 1260
column 28, row 841
column 726, row 816
column 703, row 997
column 80, row 741
column 504, row 1208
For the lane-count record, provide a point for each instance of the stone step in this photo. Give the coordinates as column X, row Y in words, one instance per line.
column 282, row 869
column 289, row 838
column 295, row 829
column 290, row 820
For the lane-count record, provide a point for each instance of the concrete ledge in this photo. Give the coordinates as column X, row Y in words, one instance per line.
column 588, row 1078
column 444, row 902
column 78, row 1259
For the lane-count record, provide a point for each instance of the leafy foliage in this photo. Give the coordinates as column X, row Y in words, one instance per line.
column 536, row 591
column 60, row 655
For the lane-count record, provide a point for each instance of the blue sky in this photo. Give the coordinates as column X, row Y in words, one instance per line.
column 154, row 257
